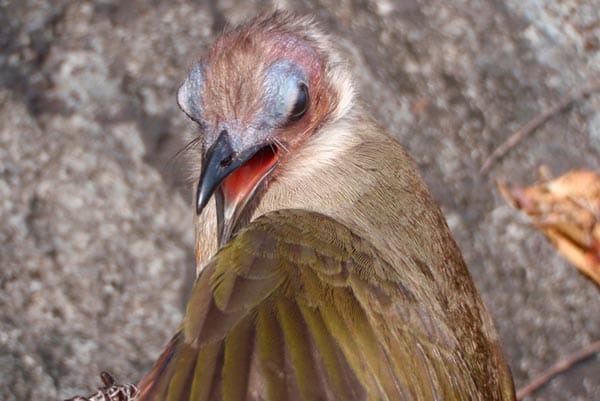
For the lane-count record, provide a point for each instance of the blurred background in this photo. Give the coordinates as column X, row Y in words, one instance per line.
column 95, row 207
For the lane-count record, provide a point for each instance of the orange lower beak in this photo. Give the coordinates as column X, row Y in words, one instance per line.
column 235, row 177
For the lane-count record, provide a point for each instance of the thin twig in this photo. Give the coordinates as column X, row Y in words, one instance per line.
column 537, row 121
column 560, row 367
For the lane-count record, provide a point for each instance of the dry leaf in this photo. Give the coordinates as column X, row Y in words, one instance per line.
column 567, row 211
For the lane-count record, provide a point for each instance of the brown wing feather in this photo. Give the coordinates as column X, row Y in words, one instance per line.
column 297, row 307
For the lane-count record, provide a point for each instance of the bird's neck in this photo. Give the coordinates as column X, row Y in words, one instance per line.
column 355, row 173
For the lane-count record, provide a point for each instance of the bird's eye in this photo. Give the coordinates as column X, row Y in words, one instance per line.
column 301, row 104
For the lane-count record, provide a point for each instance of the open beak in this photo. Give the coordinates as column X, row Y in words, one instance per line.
column 234, row 178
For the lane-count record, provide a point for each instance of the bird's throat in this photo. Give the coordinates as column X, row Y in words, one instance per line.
column 239, row 188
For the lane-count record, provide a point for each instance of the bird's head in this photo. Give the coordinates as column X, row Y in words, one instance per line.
column 261, row 92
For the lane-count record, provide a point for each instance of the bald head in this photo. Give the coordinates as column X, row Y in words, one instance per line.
column 255, row 80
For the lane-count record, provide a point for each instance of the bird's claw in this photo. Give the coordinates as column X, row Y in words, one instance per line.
column 111, row 391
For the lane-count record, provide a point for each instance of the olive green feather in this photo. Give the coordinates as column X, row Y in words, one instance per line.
column 298, row 307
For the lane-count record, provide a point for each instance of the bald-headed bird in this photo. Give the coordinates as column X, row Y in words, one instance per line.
column 326, row 269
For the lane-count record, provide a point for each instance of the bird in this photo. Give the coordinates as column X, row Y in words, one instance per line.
column 326, row 270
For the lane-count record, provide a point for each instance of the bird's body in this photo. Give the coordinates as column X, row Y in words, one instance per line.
column 327, row 272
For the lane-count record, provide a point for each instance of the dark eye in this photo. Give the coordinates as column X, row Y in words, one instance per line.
column 301, row 104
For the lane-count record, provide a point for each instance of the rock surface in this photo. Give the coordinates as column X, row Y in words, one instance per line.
column 96, row 234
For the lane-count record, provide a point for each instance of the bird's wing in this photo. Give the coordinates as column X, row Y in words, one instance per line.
column 298, row 307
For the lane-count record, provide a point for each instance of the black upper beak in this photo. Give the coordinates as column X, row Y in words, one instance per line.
column 220, row 161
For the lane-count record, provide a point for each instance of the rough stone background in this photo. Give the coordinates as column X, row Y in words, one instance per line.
column 96, row 232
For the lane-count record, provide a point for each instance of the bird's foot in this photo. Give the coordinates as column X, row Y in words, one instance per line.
column 111, row 391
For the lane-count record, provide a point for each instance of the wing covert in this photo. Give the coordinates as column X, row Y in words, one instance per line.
column 298, row 307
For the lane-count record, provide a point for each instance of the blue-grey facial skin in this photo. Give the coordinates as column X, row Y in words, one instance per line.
column 188, row 96
column 281, row 85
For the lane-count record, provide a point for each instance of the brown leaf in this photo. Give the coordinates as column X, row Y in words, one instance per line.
column 567, row 211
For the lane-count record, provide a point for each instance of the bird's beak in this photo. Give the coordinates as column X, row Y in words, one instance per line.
column 234, row 178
